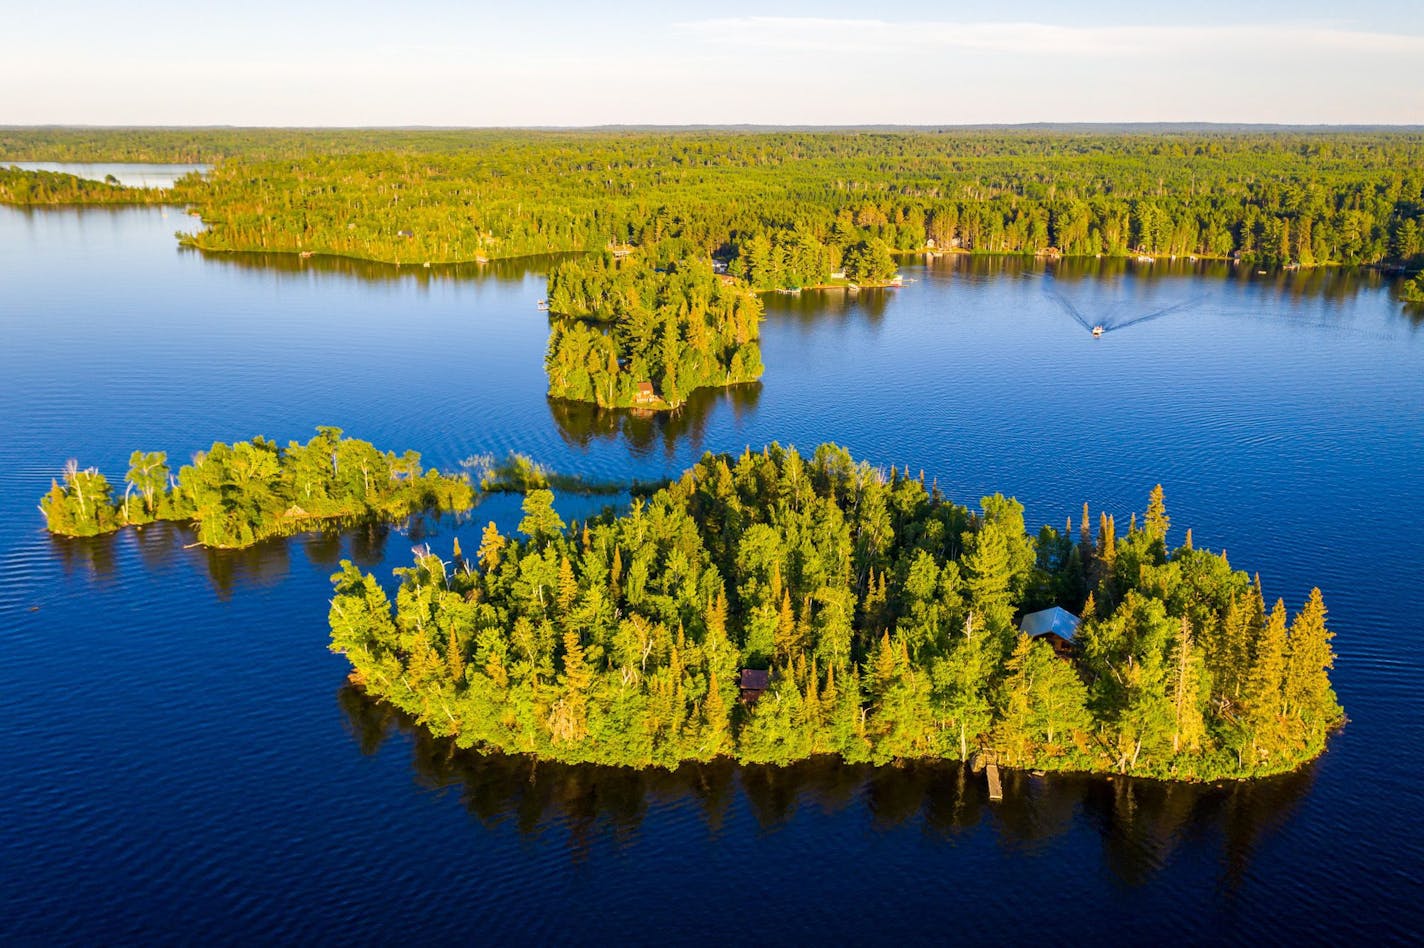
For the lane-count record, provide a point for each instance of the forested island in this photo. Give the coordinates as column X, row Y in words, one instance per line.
column 772, row 608
column 634, row 332
column 236, row 495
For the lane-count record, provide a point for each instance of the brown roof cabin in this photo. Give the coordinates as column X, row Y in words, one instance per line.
column 645, row 394
column 754, row 682
column 1055, row 626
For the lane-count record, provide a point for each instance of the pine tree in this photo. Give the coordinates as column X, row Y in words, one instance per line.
column 455, row 659
column 568, row 721
column 1308, row 695
column 1014, row 728
column 1107, row 540
column 1156, row 522
column 1262, row 694
column 1188, row 724
column 714, row 716
column 988, row 575
column 787, row 645
column 568, row 585
column 491, row 548
column 541, row 523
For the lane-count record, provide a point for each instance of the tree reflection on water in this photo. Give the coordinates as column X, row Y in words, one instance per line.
column 582, row 423
column 1141, row 823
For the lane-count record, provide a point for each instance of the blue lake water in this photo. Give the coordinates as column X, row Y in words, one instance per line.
column 180, row 760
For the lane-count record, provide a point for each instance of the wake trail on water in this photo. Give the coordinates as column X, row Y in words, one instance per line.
column 1156, row 314
column 1108, row 325
column 1070, row 309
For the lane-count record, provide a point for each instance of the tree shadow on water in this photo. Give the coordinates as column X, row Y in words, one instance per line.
column 580, row 424
column 1140, row 824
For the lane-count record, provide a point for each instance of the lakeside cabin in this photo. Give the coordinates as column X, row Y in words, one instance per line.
column 645, row 394
column 754, row 682
column 1056, row 626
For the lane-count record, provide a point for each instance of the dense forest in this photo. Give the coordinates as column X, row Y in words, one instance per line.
column 634, row 332
column 885, row 614
column 238, row 494
column 1277, row 198
column 53, row 187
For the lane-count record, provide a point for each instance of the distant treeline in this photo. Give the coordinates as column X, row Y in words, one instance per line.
column 238, row 494
column 1277, row 198
column 620, row 325
column 53, row 187
column 886, row 615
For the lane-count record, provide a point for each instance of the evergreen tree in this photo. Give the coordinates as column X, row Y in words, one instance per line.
column 1308, row 694
column 541, row 523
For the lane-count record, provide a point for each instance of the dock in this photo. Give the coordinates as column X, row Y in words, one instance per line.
column 996, row 789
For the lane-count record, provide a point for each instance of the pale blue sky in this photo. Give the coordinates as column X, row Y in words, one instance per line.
column 429, row 62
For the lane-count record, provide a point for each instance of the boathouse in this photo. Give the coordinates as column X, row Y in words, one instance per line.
column 645, row 394
column 1055, row 626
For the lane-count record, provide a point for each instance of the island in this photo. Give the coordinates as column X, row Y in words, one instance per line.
column 239, row 494
column 629, row 332
column 772, row 607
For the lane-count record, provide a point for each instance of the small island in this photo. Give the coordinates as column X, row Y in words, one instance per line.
column 239, row 494
column 773, row 608
column 628, row 331
column 1413, row 290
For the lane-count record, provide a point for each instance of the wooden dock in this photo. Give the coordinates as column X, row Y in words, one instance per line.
column 996, row 789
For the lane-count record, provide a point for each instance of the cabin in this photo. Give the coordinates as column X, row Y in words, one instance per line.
column 1055, row 626
column 754, row 682
column 645, row 394
column 726, row 279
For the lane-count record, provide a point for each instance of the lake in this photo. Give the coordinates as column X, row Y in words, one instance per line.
column 127, row 173
column 183, row 761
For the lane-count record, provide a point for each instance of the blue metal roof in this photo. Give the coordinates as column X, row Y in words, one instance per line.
column 1059, row 621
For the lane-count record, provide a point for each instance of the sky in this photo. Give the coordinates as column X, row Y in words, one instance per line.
column 538, row 63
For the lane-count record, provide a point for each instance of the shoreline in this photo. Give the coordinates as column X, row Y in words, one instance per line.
column 434, row 264
column 661, row 407
column 185, row 241
column 975, row 763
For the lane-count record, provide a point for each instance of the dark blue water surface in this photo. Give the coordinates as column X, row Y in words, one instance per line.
column 180, row 760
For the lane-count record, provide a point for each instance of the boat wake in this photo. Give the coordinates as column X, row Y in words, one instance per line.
column 1103, row 326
